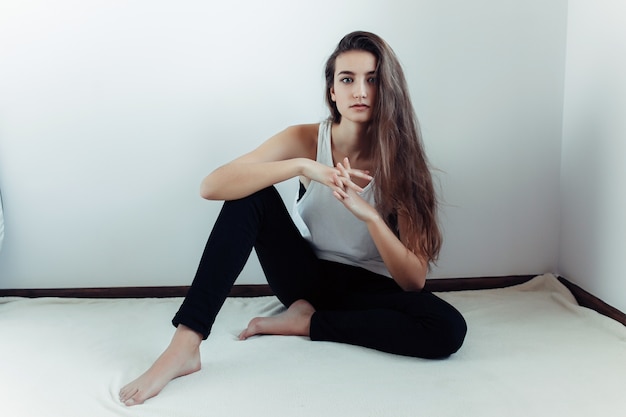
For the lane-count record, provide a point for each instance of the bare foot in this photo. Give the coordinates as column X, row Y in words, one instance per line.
column 295, row 321
column 182, row 357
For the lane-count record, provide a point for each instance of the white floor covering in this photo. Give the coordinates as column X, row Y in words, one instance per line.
column 530, row 351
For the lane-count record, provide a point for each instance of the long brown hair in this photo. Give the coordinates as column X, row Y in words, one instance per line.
column 404, row 185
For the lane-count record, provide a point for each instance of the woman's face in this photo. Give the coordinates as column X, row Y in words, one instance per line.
column 355, row 85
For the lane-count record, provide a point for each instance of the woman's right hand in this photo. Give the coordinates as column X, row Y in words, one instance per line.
column 287, row 154
column 330, row 176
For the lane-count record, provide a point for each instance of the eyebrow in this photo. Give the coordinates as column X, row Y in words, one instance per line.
column 346, row 72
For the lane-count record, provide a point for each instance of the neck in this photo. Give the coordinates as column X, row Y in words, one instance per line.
column 349, row 139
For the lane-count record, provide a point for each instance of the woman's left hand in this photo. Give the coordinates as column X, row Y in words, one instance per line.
column 407, row 268
column 348, row 195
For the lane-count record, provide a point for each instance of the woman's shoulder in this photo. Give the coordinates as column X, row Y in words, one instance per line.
column 304, row 135
column 304, row 131
column 295, row 141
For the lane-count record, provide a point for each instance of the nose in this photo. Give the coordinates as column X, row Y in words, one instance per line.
column 360, row 90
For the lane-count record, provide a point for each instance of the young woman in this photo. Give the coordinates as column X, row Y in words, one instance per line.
column 351, row 263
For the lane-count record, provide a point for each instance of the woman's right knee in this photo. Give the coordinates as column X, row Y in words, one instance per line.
column 263, row 196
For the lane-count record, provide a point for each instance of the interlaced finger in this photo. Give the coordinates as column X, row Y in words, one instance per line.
column 346, row 181
column 346, row 173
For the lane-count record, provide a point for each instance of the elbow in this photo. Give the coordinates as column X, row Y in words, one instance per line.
column 213, row 188
column 206, row 195
column 415, row 286
column 207, row 191
column 210, row 186
column 411, row 284
column 414, row 283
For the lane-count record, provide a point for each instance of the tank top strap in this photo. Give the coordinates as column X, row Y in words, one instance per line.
column 324, row 144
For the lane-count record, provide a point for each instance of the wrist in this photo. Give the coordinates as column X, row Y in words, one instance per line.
column 302, row 165
column 374, row 219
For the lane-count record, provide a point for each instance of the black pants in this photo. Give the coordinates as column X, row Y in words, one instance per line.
column 353, row 305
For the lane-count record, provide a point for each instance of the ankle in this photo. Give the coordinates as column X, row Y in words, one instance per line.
column 186, row 338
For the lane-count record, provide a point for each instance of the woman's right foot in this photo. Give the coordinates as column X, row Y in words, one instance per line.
column 182, row 357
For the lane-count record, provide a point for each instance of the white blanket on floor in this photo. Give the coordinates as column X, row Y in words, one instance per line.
column 530, row 351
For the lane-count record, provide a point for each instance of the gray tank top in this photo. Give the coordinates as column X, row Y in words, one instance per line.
column 334, row 232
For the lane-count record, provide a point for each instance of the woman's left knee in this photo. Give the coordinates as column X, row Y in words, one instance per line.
column 458, row 333
column 453, row 334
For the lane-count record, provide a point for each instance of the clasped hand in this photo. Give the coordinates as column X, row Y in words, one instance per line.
column 347, row 192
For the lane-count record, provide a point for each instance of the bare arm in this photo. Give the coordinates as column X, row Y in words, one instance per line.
column 288, row 154
column 281, row 157
column 407, row 268
column 238, row 179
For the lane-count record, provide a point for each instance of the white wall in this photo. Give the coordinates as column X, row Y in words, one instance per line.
column 593, row 223
column 112, row 112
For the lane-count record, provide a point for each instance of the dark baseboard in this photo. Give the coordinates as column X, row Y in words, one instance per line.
column 257, row 290
column 584, row 298
column 129, row 292
column 588, row 300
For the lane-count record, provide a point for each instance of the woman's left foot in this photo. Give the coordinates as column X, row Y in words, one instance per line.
column 295, row 321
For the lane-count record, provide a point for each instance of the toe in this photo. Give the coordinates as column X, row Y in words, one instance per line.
column 134, row 400
column 245, row 334
column 126, row 393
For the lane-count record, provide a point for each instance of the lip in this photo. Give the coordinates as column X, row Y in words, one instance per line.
column 360, row 106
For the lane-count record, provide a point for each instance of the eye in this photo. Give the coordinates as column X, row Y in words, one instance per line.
column 372, row 80
column 346, row 80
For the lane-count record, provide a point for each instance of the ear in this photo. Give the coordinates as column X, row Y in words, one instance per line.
column 332, row 94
